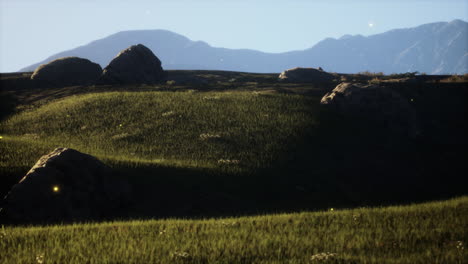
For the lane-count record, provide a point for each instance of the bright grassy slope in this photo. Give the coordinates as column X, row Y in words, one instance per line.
column 184, row 129
column 424, row 233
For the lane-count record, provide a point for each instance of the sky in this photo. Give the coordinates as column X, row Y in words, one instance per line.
column 32, row 30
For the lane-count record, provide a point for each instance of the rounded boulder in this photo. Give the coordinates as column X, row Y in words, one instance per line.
column 306, row 75
column 68, row 71
column 379, row 105
column 65, row 186
column 134, row 65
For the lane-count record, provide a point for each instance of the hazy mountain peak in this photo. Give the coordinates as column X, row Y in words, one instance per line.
column 346, row 36
column 458, row 22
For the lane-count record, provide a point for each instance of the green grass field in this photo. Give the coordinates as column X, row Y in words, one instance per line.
column 172, row 128
column 254, row 166
column 422, row 233
column 219, row 150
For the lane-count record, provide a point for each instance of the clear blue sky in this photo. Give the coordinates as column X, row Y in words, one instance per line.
column 31, row 30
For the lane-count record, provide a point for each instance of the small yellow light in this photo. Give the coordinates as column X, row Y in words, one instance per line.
column 1, row 137
column 331, row 209
column 55, row 188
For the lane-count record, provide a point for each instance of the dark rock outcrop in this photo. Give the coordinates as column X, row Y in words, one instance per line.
column 379, row 105
column 68, row 71
column 63, row 186
column 134, row 65
column 306, row 75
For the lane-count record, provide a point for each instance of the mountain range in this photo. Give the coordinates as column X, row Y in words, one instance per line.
column 435, row 48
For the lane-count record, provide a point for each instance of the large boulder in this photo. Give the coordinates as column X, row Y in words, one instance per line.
column 378, row 105
column 306, row 75
column 68, row 71
column 66, row 185
column 134, row 65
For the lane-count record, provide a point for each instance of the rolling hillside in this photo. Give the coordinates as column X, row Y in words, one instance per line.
column 245, row 171
column 421, row 233
column 213, row 148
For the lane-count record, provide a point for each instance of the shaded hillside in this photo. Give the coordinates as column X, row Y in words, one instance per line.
column 435, row 48
column 229, row 148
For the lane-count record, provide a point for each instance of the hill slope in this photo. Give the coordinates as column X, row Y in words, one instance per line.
column 424, row 233
column 436, row 48
column 254, row 148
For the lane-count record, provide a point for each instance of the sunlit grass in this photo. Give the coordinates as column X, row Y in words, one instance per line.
column 425, row 233
column 165, row 127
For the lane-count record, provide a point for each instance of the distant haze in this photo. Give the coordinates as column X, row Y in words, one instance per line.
column 32, row 30
column 436, row 48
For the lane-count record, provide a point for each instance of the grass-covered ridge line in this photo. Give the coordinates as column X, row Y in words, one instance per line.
column 200, row 129
column 422, row 233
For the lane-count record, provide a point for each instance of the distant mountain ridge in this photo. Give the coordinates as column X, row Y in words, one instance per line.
column 436, row 48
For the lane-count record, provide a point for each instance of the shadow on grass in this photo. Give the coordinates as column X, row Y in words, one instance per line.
column 9, row 176
column 8, row 104
column 342, row 163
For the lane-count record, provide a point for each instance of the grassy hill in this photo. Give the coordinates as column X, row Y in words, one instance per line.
column 422, row 233
column 223, row 143
column 216, row 139
column 173, row 128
